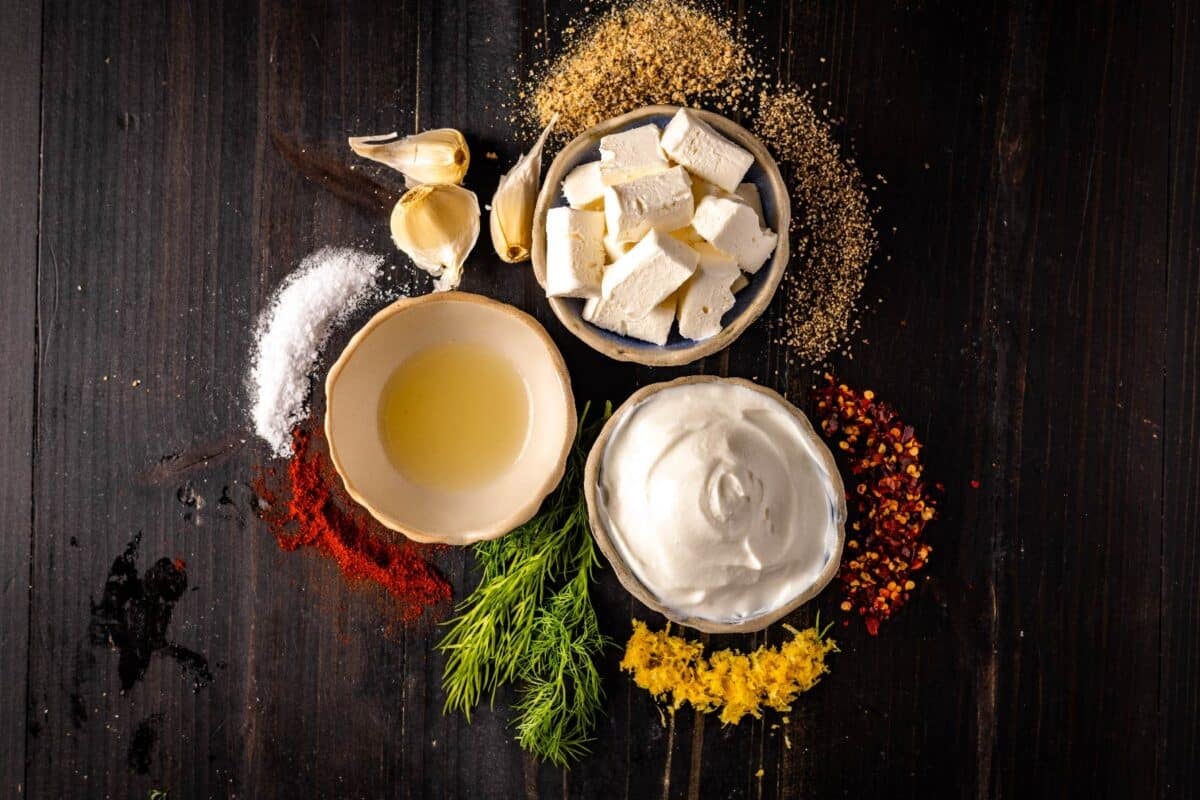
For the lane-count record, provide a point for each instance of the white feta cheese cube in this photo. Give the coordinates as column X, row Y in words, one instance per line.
column 732, row 227
column 631, row 154
column 692, row 142
column 614, row 249
column 662, row 201
column 715, row 264
column 655, row 327
column 702, row 189
column 745, row 192
column 582, row 187
column 574, row 252
column 706, row 296
column 687, row 234
column 648, row 274
column 748, row 192
column 739, row 283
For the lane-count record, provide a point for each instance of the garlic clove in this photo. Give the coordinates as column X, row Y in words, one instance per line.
column 511, row 220
column 436, row 225
column 437, row 156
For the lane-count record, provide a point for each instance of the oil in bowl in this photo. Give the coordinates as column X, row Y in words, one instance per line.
column 454, row 416
column 449, row 417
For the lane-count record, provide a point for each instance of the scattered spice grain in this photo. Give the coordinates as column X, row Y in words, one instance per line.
column 641, row 53
column 307, row 510
column 834, row 237
column 676, row 671
column 891, row 501
column 664, row 51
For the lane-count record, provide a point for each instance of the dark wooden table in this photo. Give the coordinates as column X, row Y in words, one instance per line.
column 1039, row 322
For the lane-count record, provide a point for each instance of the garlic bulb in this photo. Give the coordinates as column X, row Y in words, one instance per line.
column 511, row 220
column 436, row 156
column 436, row 225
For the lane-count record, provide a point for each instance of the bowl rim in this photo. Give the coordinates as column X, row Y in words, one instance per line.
column 625, row 574
column 646, row 353
column 522, row 513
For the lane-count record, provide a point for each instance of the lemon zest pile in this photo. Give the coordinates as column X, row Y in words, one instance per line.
column 676, row 672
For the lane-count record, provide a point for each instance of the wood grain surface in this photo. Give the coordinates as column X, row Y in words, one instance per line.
column 20, row 136
column 1179, row 659
column 1035, row 314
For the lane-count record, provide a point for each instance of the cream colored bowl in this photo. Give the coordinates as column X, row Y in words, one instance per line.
column 643, row 593
column 357, row 380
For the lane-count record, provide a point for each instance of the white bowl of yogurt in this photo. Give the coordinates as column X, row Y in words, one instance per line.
column 716, row 502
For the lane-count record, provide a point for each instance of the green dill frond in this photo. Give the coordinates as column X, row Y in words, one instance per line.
column 531, row 621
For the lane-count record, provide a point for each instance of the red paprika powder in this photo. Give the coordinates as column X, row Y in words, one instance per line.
column 317, row 514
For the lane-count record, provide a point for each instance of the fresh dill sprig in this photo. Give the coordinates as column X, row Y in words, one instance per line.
column 562, row 692
column 531, row 621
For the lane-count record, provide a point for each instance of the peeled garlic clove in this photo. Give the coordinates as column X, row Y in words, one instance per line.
column 436, row 156
column 436, row 225
column 511, row 220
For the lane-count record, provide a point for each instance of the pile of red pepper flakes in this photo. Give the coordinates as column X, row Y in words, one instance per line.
column 893, row 507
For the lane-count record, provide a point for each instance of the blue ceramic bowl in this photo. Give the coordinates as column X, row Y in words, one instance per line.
column 751, row 301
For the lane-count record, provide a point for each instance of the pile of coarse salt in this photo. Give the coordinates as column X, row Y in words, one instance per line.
column 328, row 286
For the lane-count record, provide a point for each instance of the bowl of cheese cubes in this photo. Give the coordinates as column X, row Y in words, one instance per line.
column 661, row 235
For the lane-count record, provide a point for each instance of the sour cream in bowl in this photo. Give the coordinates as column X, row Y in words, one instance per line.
column 716, row 502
